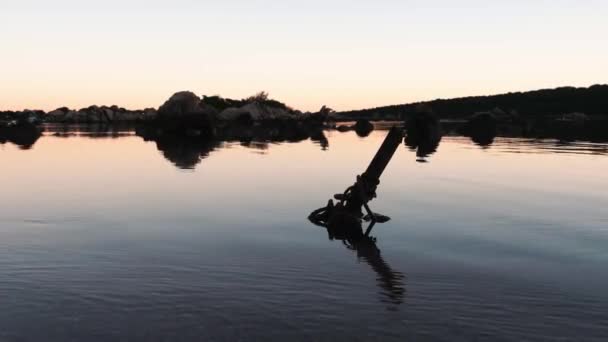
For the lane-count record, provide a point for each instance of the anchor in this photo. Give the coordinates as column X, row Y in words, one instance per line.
column 347, row 214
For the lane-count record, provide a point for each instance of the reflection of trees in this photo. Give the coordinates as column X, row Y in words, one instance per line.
column 320, row 138
column 590, row 130
column 423, row 135
column 482, row 128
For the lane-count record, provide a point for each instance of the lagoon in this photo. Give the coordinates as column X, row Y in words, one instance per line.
column 105, row 236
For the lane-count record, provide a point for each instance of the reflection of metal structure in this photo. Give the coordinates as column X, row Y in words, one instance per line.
column 348, row 211
column 390, row 281
column 343, row 219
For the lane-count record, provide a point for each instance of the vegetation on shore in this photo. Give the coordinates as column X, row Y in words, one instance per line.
column 547, row 102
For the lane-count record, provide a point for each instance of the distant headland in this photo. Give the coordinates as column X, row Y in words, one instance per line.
column 558, row 101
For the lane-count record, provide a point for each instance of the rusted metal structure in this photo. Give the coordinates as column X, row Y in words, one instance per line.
column 347, row 213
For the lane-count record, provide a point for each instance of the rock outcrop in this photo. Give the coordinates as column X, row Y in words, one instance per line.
column 185, row 114
column 26, row 117
column 179, row 105
column 257, row 111
column 96, row 114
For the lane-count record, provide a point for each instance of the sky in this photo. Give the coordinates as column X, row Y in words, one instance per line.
column 344, row 54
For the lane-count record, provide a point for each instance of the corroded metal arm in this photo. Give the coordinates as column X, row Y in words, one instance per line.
column 384, row 155
column 357, row 196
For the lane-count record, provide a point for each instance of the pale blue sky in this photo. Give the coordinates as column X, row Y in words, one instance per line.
column 345, row 54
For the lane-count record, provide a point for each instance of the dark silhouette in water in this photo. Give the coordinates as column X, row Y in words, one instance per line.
column 186, row 151
column 320, row 138
column 482, row 129
column 363, row 128
column 183, row 151
column 24, row 136
column 570, row 130
column 343, row 220
column 423, row 134
column 90, row 130
column 349, row 230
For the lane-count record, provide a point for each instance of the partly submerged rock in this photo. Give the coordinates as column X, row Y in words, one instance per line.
column 363, row 127
column 183, row 113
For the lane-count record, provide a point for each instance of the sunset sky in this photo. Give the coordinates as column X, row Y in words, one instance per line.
column 344, row 54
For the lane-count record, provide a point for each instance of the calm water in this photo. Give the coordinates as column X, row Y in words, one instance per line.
column 111, row 239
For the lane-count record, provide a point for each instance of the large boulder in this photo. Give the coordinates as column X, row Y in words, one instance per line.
column 180, row 104
column 183, row 113
column 363, row 127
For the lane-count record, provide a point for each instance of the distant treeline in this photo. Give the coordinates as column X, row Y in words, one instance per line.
column 591, row 101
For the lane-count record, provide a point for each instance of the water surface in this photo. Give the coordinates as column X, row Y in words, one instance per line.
column 114, row 238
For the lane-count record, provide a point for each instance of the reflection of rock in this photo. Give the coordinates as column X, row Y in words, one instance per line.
column 482, row 128
column 423, row 134
column 272, row 131
column 183, row 151
column 186, row 150
column 90, row 130
column 343, row 128
column 24, row 136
